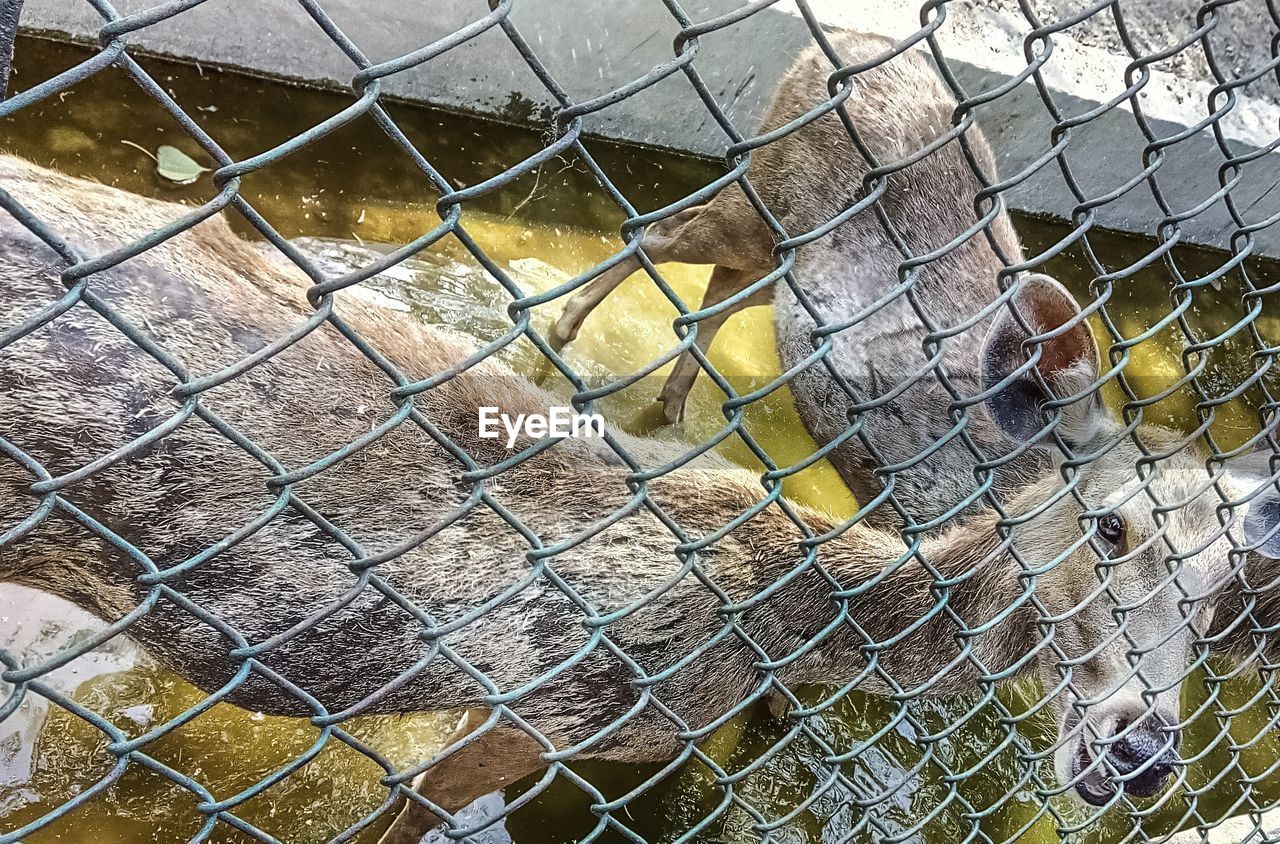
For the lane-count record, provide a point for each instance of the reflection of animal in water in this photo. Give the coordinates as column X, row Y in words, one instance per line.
column 38, row 626
column 385, row 583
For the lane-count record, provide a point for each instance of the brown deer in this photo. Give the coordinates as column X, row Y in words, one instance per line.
column 900, row 110
column 913, row 456
column 387, row 579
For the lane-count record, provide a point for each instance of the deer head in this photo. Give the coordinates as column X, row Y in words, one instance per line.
column 1122, row 541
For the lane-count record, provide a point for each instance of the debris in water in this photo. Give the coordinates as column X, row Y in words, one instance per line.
column 141, row 715
column 176, row 166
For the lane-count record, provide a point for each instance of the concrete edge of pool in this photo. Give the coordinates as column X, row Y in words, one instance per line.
column 591, row 50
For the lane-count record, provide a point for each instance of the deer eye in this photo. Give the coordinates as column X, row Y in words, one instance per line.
column 1111, row 534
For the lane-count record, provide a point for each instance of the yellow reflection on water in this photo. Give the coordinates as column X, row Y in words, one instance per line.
column 632, row 328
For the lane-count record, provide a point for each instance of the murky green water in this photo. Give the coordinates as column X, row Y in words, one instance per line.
column 542, row 230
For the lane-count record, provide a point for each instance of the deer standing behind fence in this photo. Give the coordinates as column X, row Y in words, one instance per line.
column 386, row 582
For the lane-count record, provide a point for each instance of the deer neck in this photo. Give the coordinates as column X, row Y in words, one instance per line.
column 868, row 607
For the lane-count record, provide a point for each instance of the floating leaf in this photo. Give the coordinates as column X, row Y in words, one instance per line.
column 176, row 166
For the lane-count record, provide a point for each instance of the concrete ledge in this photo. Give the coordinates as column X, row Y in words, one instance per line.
column 1241, row 830
column 591, row 48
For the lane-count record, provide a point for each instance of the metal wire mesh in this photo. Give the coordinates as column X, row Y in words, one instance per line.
column 863, row 801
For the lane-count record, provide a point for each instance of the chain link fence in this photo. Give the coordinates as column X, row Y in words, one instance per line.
column 1037, row 535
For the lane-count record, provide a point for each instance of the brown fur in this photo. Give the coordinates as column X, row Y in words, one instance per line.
column 76, row 389
column 926, row 340
column 807, row 178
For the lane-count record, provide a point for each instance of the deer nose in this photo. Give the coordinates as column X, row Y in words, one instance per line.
column 1143, row 758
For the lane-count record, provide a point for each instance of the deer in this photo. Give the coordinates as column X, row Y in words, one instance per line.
column 312, row 530
column 915, row 347
column 901, row 115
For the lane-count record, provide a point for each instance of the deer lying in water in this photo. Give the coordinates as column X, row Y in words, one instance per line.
column 316, row 605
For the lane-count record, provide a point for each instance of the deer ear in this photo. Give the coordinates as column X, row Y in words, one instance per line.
column 1068, row 364
column 1262, row 524
column 1254, row 473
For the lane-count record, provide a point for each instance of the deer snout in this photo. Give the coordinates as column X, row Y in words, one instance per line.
column 1138, row 757
column 1144, row 758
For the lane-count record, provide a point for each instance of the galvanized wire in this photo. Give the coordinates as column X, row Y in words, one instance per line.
column 565, row 137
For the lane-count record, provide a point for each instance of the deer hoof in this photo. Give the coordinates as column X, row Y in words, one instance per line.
column 672, row 407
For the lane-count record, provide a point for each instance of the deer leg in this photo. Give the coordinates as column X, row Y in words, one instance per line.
column 726, row 230
column 724, row 283
column 489, row 762
column 661, row 242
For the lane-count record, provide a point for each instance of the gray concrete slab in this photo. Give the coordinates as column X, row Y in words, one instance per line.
column 1246, row 829
column 592, row 47
column 589, row 47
